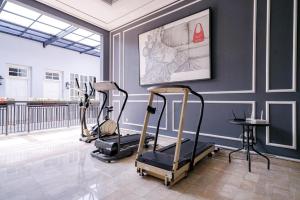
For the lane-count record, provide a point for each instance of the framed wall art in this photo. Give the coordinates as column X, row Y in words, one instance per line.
column 176, row 52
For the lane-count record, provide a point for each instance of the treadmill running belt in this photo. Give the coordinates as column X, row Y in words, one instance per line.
column 126, row 139
column 163, row 158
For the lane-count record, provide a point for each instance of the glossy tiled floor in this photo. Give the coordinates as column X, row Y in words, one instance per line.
column 55, row 165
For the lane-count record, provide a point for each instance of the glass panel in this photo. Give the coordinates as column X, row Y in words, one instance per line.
column 15, row 19
column 14, row 8
column 82, row 32
column 73, row 37
column 89, row 42
column 13, row 69
column 17, row 72
column 13, row 73
column 23, row 72
column 55, row 76
column 95, row 37
column 45, row 28
column 53, row 22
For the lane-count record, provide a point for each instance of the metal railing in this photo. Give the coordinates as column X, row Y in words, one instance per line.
column 26, row 116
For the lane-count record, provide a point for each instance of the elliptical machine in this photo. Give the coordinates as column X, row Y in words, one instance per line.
column 86, row 135
column 103, row 129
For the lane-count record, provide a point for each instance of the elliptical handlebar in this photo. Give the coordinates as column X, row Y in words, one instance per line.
column 92, row 90
column 85, row 87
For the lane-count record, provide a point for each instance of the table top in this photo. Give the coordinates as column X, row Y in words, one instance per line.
column 252, row 122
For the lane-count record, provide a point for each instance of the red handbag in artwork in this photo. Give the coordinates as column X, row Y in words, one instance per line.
column 198, row 33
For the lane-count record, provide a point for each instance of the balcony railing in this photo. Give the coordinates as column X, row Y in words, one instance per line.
column 27, row 116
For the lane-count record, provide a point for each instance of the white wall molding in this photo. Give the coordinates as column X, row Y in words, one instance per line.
column 294, row 124
column 141, row 125
column 294, row 62
column 252, row 90
column 221, row 146
column 252, row 103
column 116, row 94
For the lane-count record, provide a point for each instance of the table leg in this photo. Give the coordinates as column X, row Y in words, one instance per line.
column 248, row 148
column 234, row 152
column 262, row 156
column 229, row 156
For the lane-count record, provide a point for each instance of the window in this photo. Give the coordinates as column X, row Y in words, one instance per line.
column 83, row 32
column 17, row 72
column 82, row 81
column 20, row 10
column 52, row 76
column 89, row 42
column 15, row 19
column 53, row 22
column 28, row 23
column 45, row 28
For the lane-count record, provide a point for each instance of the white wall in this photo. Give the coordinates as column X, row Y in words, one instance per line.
column 21, row 51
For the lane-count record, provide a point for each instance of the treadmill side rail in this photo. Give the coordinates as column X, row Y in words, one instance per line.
column 144, row 131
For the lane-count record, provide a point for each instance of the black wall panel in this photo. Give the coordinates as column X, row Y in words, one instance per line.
column 281, row 44
column 282, row 129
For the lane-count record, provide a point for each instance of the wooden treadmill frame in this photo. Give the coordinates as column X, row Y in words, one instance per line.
column 169, row 177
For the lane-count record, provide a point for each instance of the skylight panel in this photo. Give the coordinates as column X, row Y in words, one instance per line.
column 89, row 42
column 53, row 22
column 15, row 19
column 83, row 32
column 95, row 37
column 20, row 10
column 73, row 37
column 45, row 28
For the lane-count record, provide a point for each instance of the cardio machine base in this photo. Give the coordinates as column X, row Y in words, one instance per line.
column 169, row 176
column 88, row 139
column 126, row 152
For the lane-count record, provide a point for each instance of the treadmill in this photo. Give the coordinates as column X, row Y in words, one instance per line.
column 173, row 162
column 118, row 146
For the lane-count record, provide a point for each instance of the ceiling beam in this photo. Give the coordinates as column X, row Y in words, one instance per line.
column 90, row 49
column 59, row 36
column 2, row 4
column 28, row 27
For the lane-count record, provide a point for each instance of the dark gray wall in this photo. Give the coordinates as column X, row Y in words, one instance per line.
column 233, row 86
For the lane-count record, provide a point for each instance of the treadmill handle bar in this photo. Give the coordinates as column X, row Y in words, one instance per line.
column 198, row 128
column 120, row 114
column 160, row 116
column 101, row 110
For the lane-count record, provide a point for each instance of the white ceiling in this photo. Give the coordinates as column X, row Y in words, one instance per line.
column 104, row 15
